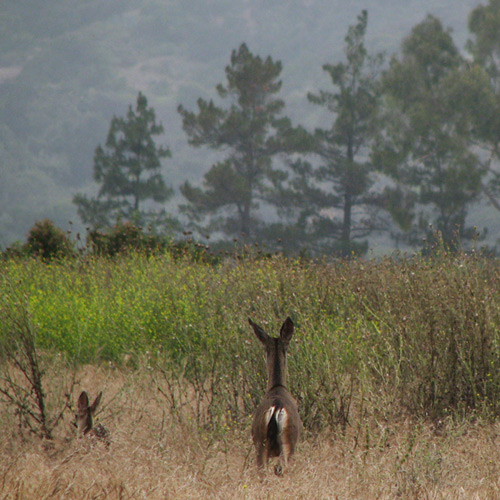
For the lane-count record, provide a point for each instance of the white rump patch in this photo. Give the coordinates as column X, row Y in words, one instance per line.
column 281, row 419
column 269, row 415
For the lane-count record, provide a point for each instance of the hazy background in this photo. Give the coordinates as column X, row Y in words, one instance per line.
column 66, row 66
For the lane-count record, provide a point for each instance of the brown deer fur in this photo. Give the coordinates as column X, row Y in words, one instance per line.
column 85, row 418
column 276, row 422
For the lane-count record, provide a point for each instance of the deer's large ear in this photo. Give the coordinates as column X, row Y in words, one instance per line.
column 259, row 332
column 287, row 331
column 83, row 402
column 96, row 402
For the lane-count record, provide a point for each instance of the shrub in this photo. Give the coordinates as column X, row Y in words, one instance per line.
column 418, row 336
column 121, row 238
column 14, row 251
column 125, row 237
column 47, row 241
column 22, row 377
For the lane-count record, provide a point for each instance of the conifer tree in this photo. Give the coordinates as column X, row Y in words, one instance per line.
column 128, row 169
column 250, row 132
column 333, row 191
column 478, row 89
column 434, row 173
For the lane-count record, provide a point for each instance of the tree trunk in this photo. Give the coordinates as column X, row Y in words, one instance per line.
column 347, row 222
column 245, row 220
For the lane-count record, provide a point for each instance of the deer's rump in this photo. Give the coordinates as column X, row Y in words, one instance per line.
column 276, row 421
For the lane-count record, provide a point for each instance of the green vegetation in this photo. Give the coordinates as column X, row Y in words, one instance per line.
column 436, row 174
column 44, row 240
column 418, row 335
column 129, row 171
column 252, row 134
column 342, row 150
column 62, row 83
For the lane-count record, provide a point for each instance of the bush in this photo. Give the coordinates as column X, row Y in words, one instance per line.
column 126, row 237
column 123, row 237
column 23, row 374
column 417, row 336
column 15, row 251
column 48, row 242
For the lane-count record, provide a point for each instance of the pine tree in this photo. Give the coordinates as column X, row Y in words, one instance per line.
column 250, row 132
column 479, row 91
column 128, row 169
column 435, row 175
column 335, row 195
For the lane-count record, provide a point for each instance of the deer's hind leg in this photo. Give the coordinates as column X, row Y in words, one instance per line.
column 282, row 464
column 286, row 450
column 262, row 455
column 262, row 460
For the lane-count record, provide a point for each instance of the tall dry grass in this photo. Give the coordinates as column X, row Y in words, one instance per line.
column 422, row 334
column 395, row 366
column 155, row 454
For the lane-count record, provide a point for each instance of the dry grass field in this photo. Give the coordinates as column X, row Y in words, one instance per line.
column 395, row 365
column 156, row 456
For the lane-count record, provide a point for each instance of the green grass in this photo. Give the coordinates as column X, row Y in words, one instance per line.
column 418, row 335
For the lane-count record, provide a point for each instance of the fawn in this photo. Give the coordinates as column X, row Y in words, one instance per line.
column 276, row 422
column 85, row 418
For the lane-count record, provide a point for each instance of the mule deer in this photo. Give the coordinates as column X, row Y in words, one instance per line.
column 85, row 418
column 276, row 422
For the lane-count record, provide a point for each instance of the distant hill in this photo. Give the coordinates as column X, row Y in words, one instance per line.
column 67, row 66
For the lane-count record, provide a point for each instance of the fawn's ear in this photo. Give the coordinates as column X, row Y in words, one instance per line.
column 83, row 402
column 259, row 332
column 96, row 402
column 287, row 331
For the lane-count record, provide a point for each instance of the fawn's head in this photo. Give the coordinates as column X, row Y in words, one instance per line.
column 85, row 413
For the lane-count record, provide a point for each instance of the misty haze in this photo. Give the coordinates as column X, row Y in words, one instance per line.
column 67, row 68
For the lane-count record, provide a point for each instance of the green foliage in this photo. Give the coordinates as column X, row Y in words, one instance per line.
column 342, row 183
column 128, row 170
column 442, row 350
column 121, row 238
column 417, row 335
column 127, row 238
column 252, row 132
column 479, row 91
column 434, row 173
column 485, row 44
column 47, row 242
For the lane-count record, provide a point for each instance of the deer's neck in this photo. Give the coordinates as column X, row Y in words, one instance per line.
column 276, row 368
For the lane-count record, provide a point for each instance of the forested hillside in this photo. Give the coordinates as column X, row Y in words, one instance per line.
column 66, row 67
